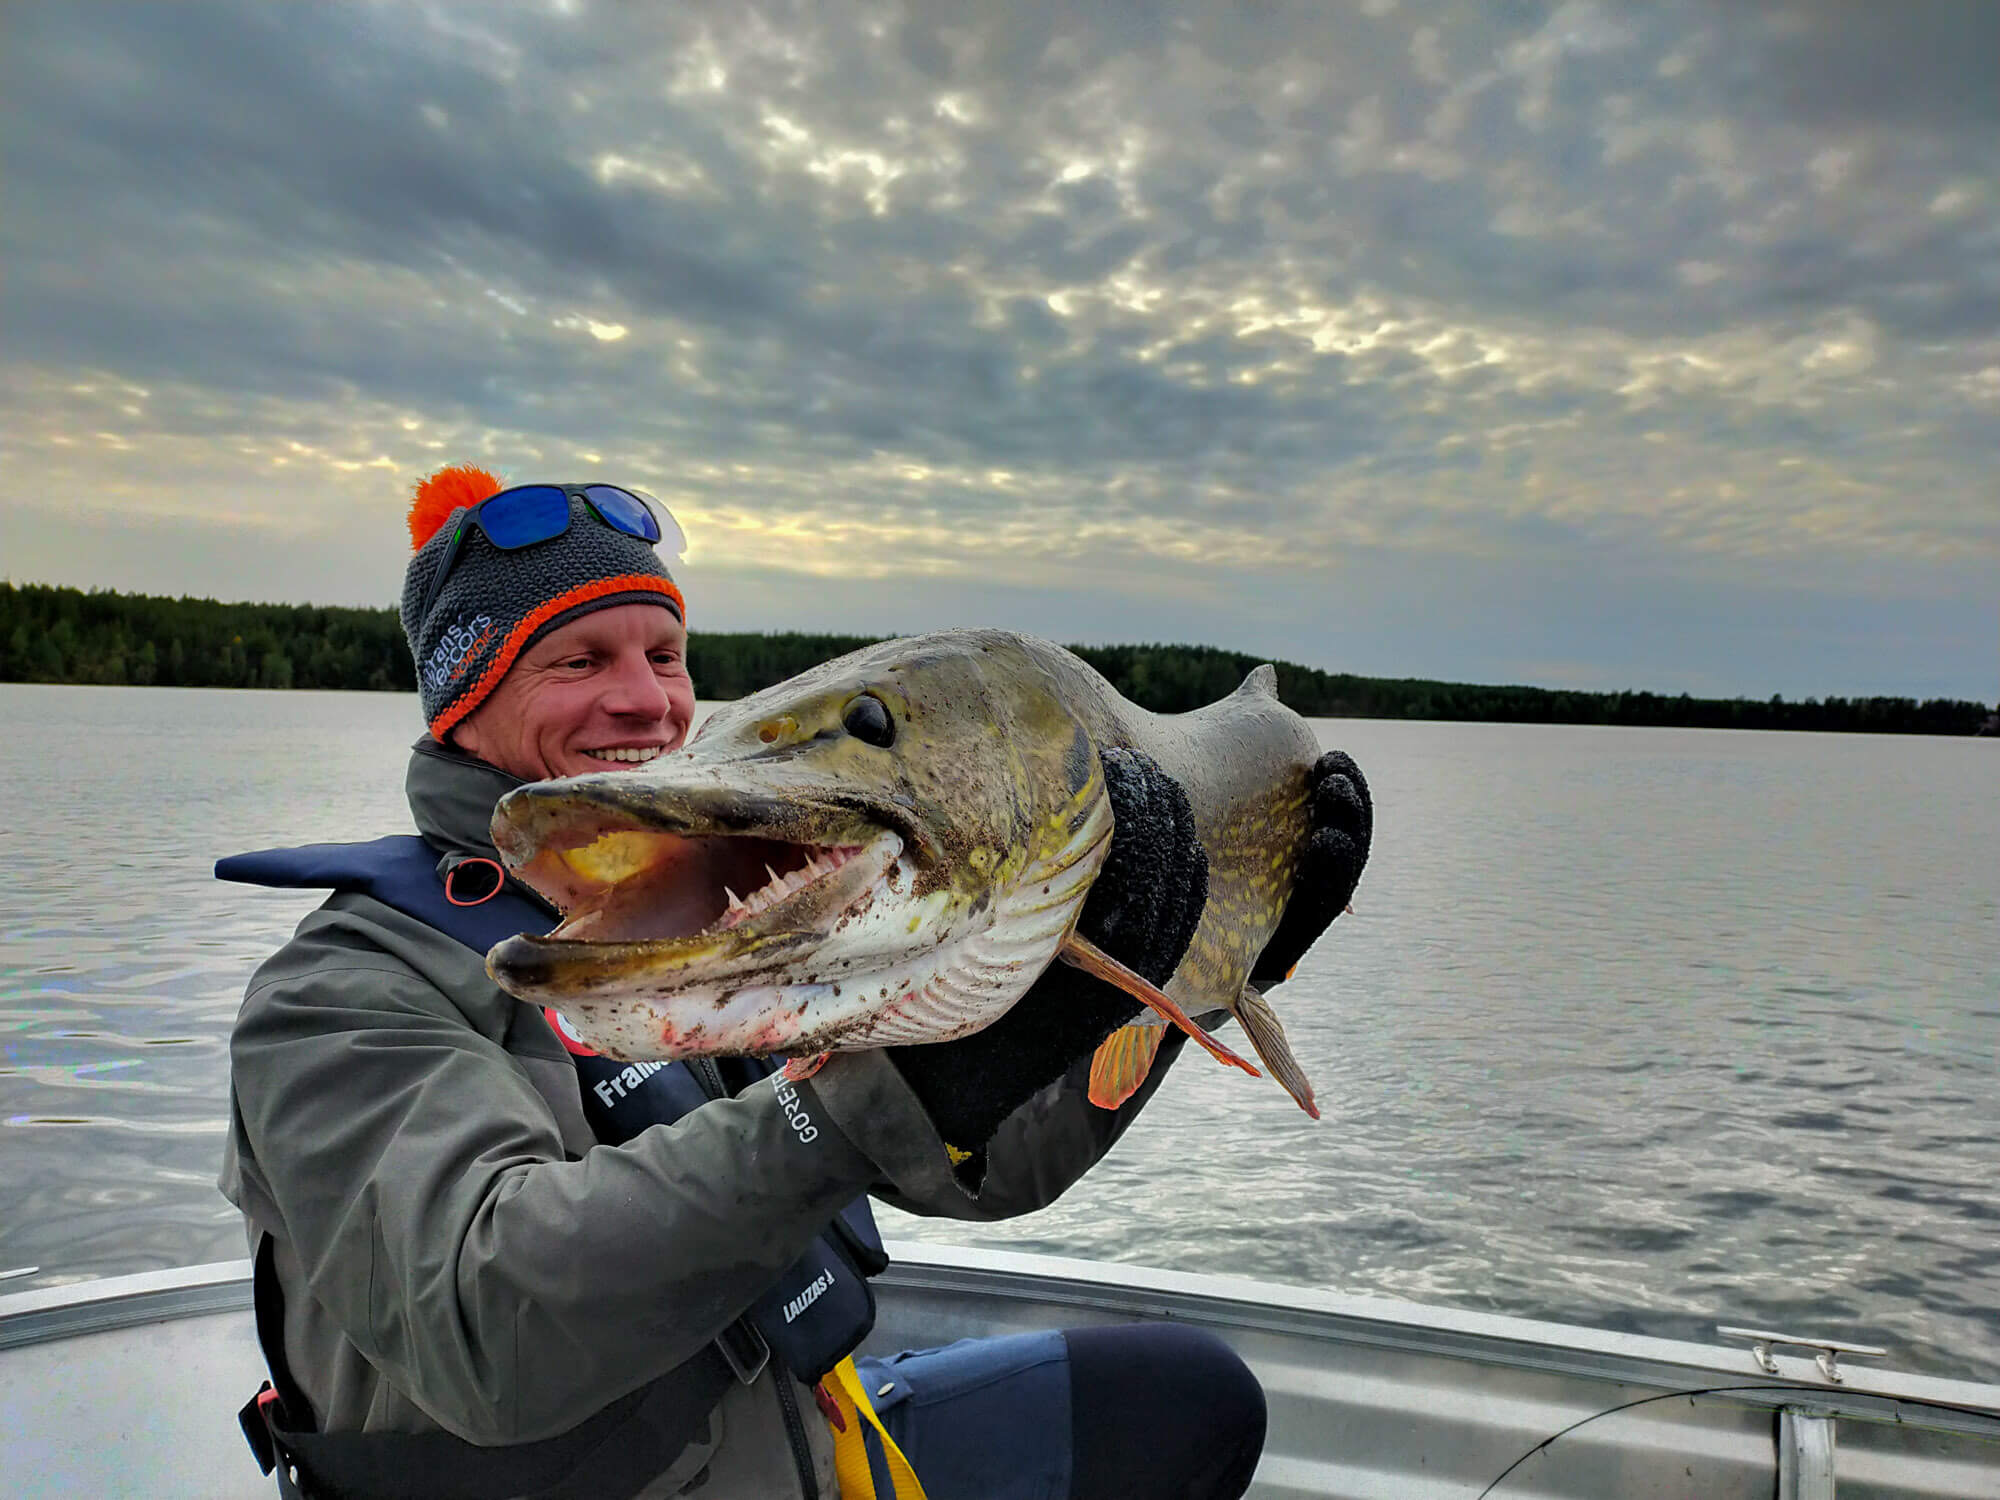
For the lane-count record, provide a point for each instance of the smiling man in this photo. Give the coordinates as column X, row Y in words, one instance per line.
column 549, row 637
column 490, row 1263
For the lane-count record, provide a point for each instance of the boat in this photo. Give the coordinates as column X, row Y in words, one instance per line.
column 129, row 1386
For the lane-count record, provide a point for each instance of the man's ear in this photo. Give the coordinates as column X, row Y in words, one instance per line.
column 464, row 737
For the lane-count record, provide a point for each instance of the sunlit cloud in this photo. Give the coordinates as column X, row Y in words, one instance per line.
column 1312, row 308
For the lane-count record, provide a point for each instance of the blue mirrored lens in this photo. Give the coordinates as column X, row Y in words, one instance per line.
column 521, row 517
column 624, row 510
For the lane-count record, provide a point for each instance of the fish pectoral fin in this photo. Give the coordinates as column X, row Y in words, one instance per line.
column 1093, row 960
column 1122, row 1062
column 798, row 1069
column 1260, row 1023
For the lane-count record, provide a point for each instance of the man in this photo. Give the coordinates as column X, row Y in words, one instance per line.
column 503, row 1293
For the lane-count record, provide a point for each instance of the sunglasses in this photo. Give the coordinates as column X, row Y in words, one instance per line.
column 532, row 513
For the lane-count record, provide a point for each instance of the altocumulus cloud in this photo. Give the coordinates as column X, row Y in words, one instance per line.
column 1651, row 345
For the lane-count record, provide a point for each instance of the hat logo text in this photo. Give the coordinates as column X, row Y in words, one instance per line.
column 450, row 657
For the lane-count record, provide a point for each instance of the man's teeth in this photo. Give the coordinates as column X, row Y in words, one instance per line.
column 634, row 756
column 823, row 862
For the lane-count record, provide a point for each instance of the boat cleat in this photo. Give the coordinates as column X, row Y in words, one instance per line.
column 1826, row 1354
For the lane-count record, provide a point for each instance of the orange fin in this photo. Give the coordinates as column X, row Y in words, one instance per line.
column 1260, row 1024
column 799, row 1068
column 1093, row 960
column 1122, row 1062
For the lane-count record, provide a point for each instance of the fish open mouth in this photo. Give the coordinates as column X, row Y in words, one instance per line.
column 652, row 909
column 640, row 886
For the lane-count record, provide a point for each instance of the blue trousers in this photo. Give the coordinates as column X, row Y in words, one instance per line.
column 1154, row 1411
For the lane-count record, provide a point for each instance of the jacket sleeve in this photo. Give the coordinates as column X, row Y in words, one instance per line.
column 422, row 1182
column 1037, row 1153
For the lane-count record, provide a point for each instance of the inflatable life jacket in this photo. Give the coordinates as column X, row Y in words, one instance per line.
column 810, row 1319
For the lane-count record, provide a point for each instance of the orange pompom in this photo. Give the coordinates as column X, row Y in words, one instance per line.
column 453, row 486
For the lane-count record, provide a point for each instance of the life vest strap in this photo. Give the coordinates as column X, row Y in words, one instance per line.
column 843, row 1390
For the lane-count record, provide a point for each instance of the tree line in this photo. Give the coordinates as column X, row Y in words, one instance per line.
column 65, row 635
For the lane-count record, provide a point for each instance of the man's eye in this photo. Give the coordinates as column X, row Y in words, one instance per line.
column 577, row 663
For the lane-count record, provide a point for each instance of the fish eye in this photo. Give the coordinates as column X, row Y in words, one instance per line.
column 868, row 720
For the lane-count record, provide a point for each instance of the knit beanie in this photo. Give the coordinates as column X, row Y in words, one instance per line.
column 494, row 604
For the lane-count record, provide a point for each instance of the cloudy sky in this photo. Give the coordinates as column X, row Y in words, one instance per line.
column 1594, row 344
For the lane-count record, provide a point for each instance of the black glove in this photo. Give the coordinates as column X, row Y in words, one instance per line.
column 1343, row 825
column 1142, row 910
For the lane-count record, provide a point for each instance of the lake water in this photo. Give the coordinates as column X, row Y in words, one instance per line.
column 1645, row 1029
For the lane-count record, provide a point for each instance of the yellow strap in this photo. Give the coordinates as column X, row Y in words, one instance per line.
column 850, row 1452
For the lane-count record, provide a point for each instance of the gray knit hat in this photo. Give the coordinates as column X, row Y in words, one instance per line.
column 494, row 604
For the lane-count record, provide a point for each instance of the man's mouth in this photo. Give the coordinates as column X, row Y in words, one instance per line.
column 627, row 755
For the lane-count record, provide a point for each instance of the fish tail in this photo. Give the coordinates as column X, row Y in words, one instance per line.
column 1260, row 1023
column 1122, row 1062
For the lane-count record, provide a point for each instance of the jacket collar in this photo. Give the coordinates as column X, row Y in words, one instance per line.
column 452, row 795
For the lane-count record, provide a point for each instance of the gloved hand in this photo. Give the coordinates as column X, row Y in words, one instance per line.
column 1142, row 910
column 1343, row 826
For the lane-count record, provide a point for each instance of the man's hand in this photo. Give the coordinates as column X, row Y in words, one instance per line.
column 1142, row 910
column 1342, row 827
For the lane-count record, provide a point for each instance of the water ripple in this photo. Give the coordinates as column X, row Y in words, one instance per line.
column 1647, row 1030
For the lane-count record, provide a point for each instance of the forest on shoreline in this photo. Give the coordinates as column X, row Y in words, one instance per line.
column 66, row 635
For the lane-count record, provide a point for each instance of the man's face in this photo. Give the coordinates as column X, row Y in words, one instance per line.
column 605, row 692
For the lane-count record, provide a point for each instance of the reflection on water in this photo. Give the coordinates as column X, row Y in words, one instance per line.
column 1645, row 1029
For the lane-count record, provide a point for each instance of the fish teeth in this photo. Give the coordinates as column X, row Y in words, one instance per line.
column 819, row 864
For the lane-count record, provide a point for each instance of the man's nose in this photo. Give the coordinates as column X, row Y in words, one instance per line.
column 634, row 688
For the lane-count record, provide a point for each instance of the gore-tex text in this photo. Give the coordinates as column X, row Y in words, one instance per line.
column 788, row 1101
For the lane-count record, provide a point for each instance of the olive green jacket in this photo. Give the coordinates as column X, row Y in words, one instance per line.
column 456, row 1250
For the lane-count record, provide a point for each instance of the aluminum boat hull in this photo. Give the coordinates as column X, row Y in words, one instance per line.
column 130, row 1385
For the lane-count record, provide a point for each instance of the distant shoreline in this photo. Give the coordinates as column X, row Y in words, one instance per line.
column 69, row 637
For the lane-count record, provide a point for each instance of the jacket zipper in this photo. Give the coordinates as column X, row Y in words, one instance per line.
column 709, row 1076
column 795, row 1429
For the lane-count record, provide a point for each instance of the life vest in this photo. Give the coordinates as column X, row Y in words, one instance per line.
column 813, row 1316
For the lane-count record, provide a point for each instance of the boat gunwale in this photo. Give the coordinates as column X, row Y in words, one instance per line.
column 73, row 1308
column 1117, row 1290
column 1897, row 1397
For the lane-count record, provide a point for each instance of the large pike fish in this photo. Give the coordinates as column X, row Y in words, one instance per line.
column 889, row 849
